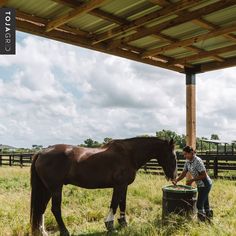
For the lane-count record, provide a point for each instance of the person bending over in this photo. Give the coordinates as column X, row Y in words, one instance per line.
column 195, row 166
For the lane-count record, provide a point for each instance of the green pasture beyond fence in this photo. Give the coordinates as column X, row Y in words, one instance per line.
column 218, row 165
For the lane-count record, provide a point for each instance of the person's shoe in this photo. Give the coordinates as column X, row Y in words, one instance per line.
column 122, row 222
column 209, row 214
column 201, row 217
column 110, row 225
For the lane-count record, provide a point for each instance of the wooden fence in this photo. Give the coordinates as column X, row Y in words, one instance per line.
column 217, row 165
column 16, row 159
column 223, row 165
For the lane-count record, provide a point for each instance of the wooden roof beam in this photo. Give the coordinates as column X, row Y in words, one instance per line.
column 108, row 17
column 204, row 54
column 118, row 20
column 192, row 48
column 83, row 9
column 174, row 22
column 209, row 26
column 161, row 3
column 165, row 11
column 29, row 27
column 187, row 42
column 217, row 65
column 95, row 12
column 44, row 21
column 170, row 39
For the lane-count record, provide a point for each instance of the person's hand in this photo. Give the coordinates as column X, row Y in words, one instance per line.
column 174, row 181
column 189, row 181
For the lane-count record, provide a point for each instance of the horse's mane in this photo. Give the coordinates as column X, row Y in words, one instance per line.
column 118, row 141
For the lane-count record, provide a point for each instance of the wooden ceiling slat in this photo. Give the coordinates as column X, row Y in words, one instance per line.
column 109, row 17
column 165, row 11
column 209, row 26
column 43, row 21
column 83, row 9
column 192, row 48
column 204, row 55
column 187, row 42
column 95, row 12
column 172, row 23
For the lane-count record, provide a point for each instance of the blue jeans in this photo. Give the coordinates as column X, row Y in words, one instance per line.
column 203, row 200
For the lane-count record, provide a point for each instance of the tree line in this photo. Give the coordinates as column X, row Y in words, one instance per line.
column 180, row 140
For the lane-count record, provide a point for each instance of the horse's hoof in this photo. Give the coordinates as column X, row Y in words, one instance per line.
column 122, row 222
column 64, row 233
column 109, row 225
column 44, row 233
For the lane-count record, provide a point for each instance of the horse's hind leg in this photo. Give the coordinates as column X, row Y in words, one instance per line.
column 122, row 206
column 42, row 226
column 56, row 210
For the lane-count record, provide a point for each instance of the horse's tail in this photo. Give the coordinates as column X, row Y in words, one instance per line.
column 39, row 197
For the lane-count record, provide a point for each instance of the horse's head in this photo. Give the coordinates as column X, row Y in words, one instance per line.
column 168, row 160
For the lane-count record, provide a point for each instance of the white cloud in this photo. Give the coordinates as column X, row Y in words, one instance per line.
column 56, row 93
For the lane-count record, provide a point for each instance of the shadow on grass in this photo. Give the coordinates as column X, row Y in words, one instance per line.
column 104, row 233
column 91, row 234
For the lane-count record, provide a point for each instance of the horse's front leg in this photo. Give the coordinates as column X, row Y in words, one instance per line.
column 109, row 221
column 122, row 205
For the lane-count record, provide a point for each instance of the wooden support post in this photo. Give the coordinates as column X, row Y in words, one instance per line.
column 190, row 109
column 10, row 160
column 216, row 167
column 21, row 160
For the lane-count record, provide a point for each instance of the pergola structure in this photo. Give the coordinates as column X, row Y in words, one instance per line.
column 187, row 36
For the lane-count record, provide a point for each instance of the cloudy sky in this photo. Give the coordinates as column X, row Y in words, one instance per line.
column 52, row 92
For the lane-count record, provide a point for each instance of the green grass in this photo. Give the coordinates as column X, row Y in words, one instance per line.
column 84, row 210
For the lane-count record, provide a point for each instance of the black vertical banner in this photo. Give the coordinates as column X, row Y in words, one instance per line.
column 7, row 31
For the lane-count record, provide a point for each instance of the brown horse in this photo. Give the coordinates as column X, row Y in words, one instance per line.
column 111, row 166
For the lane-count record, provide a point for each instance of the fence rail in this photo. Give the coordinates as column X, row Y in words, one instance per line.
column 215, row 164
column 16, row 159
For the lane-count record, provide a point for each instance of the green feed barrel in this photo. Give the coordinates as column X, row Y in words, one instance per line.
column 179, row 199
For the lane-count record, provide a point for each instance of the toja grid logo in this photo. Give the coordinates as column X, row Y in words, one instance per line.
column 7, row 31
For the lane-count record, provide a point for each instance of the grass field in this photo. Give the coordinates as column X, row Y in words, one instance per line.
column 84, row 210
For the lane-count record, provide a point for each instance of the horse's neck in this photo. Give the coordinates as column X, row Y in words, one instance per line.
column 144, row 152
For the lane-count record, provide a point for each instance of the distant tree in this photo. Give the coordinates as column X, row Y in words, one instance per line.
column 107, row 140
column 167, row 134
column 88, row 142
column 201, row 145
column 180, row 140
column 215, row 137
column 37, row 146
column 91, row 143
column 203, row 138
